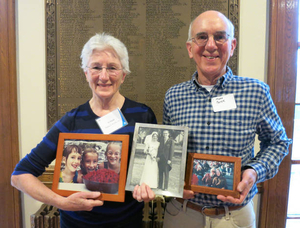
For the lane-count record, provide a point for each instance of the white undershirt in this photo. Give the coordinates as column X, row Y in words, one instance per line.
column 208, row 87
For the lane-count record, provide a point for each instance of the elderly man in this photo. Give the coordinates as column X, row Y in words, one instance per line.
column 224, row 112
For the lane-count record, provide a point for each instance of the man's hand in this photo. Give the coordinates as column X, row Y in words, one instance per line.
column 249, row 177
column 188, row 194
column 143, row 193
column 81, row 201
column 169, row 162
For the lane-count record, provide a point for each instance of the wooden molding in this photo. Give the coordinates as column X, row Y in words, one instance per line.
column 9, row 143
column 47, row 177
column 281, row 79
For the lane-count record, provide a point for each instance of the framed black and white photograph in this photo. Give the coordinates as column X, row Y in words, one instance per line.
column 158, row 158
column 213, row 174
column 91, row 162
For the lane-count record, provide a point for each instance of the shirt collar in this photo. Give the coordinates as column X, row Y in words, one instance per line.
column 225, row 78
column 222, row 81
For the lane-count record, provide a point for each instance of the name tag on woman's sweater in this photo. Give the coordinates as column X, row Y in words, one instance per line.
column 112, row 121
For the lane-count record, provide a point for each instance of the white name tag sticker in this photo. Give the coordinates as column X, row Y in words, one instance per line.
column 112, row 121
column 223, row 103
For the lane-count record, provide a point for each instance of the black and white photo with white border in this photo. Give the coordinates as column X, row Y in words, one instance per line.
column 158, row 158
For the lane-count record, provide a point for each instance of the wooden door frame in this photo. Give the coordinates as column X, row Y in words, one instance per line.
column 10, row 209
column 282, row 71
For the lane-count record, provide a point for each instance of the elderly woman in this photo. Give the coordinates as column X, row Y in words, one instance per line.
column 105, row 63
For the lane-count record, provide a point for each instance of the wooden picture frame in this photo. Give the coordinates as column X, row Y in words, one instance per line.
column 112, row 186
column 148, row 158
column 201, row 166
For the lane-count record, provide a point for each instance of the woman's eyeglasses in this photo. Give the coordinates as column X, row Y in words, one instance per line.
column 95, row 71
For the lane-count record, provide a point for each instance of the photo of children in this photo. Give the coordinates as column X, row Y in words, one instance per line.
column 213, row 174
column 113, row 157
column 88, row 163
column 81, row 157
column 71, row 162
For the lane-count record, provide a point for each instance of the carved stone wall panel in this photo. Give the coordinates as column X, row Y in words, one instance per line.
column 154, row 32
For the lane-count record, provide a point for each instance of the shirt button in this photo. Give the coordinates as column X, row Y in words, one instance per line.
column 208, row 123
column 207, row 147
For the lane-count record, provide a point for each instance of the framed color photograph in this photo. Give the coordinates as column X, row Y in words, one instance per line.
column 213, row 174
column 91, row 162
column 158, row 158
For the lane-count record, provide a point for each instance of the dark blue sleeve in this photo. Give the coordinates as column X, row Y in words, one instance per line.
column 44, row 153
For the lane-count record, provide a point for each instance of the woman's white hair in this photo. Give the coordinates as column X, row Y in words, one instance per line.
column 103, row 41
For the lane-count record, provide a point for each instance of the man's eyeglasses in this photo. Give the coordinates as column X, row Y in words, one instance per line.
column 95, row 71
column 201, row 38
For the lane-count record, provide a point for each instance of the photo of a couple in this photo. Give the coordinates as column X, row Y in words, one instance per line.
column 157, row 158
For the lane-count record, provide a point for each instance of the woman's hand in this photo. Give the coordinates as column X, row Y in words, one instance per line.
column 81, row 201
column 143, row 193
column 78, row 201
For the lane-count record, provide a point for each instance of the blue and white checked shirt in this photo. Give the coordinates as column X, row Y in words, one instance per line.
column 231, row 132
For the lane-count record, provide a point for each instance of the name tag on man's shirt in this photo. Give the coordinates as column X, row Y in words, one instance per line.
column 112, row 121
column 223, row 103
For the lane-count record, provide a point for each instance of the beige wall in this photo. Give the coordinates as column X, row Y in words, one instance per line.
column 31, row 84
column 31, row 70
